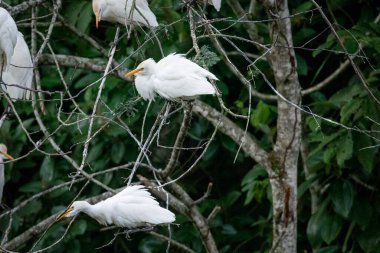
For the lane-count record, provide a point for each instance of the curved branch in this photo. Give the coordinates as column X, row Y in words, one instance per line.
column 229, row 128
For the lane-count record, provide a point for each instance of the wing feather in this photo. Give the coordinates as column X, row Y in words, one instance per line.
column 132, row 207
column 21, row 68
column 177, row 76
column 8, row 37
column 120, row 11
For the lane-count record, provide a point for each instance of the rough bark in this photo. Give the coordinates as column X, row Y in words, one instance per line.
column 284, row 156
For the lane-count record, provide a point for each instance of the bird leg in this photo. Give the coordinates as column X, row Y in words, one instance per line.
column 173, row 112
column 132, row 231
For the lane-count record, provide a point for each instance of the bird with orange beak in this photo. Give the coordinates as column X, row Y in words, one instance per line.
column 173, row 77
column 124, row 12
column 3, row 155
column 131, row 208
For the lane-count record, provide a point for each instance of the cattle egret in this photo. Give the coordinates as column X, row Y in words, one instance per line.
column 120, row 11
column 132, row 207
column 8, row 38
column 3, row 155
column 172, row 77
column 216, row 4
column 20, row 72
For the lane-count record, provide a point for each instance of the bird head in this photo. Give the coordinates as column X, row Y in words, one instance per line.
column 4, row 154
column 144, row 68
column 74, row 209
column 98, row 7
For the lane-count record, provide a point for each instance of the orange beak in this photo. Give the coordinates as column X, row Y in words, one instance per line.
column 131, row 73
column 63, row 215
column 7, row 156
column 97, row 21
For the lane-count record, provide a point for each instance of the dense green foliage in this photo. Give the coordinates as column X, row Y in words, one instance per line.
column 342, row 161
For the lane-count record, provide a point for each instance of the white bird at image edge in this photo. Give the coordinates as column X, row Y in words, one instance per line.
column 8, row 38
column 216, row 4
column 3, row 155
column 132, row 207
column 20, row 72
column 172, row 77
column 120, row 11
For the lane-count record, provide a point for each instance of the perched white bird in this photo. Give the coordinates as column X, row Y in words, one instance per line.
column 120, row 11
column 172, row 77
column 8, row 38
column 3, row 155
column 132, row 207
column 216, row 4
column 20, row 72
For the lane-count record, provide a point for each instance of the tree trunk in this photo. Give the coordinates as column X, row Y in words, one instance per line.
column 284, row 157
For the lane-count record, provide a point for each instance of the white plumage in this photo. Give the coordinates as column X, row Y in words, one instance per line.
column 20, row 72
column 172, row 77
column 132, row 207
column 8, row 38
column 216, row 4
column 3, row 155
column 120, row 11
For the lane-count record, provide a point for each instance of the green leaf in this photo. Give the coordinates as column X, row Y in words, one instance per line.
column 365, row 156
column 313, row 230
column 228, row 229
column 302, row 67
column 47, row 169
column 361, row 212
column 349, row 109
column 342, row 194
column 344, row 149
column 314, row 226
column 253, row 174
column 331, row 226
column 79, row 227
column 207, row 57
column 32, row 187
column 95, row 152
column 304, row 186
column 329, row 249
column 117, row 152
column 260, row 114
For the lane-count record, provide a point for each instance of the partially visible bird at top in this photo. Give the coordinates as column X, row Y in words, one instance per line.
column 172, row 77
column 120, row 11
column 3, row 155
column 131, row 208
column 216, row 4
column 20, row 72
column 8, row 39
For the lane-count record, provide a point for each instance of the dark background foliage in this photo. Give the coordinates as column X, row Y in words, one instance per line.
column 342, row 164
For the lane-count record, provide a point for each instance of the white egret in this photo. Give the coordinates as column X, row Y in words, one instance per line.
column 20, row 72
column 8, row 38
column 132, row 207
column 120, row 11
column 172, row 77
column 3, row 155
column 216, row 4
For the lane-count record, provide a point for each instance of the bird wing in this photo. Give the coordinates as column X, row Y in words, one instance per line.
column 139, row 214
column 216, row 4
column 8, row 37
column 134, row 190
column 147, row 15
column 120, row 11
column 21, row 67
column 13, row 91
column 176, row 76
column 132, row 207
